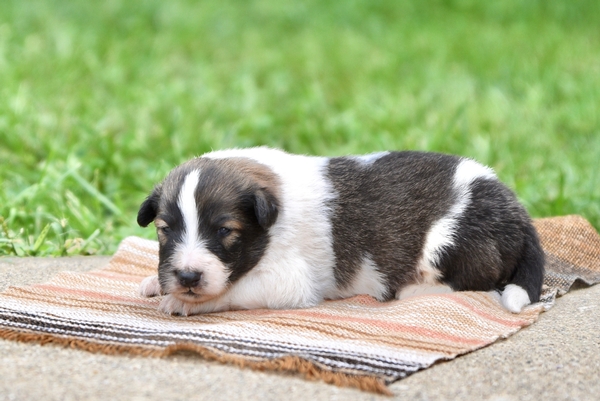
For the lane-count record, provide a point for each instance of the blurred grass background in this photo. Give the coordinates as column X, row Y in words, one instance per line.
column 100, row 99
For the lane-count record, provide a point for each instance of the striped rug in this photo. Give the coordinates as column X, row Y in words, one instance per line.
column 354, row 342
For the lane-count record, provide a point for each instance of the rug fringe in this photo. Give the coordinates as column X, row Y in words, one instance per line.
column 290, row 363
column 86, row 345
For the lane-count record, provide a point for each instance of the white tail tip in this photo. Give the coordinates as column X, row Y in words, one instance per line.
column 514, row 298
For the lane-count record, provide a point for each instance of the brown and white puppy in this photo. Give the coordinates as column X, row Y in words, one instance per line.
column 261, row 228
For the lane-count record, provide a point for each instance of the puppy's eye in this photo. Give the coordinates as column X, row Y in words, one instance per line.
column 223, row 232
column 166, row 230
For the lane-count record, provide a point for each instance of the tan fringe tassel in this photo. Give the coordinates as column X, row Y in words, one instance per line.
column 286, row 364
column 94, row 347
column 289, row 364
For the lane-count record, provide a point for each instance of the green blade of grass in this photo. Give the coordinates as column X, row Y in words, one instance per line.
column 41, row 238
column 95, row 193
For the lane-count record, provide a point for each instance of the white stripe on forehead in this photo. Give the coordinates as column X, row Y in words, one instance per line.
column 189, row 209
column 191, row 254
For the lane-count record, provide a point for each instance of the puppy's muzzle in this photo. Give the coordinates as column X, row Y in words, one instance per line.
column 189, row 279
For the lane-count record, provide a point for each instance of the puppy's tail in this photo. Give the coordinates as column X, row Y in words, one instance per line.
column 525, row 286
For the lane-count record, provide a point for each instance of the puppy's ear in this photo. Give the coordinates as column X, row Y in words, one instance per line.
column 149, row 208
column 266, row 207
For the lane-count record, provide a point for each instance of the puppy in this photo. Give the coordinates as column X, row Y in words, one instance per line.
column 261, row 228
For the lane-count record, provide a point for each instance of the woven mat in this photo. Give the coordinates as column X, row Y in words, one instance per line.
column 354, row 342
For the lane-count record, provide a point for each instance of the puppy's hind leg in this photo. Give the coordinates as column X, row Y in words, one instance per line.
column 414, row 290
column 428, row 282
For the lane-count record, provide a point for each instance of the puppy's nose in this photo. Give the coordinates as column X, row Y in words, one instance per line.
column 189, row 279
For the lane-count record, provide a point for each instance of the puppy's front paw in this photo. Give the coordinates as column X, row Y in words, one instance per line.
column 174, row 306
column 150, row 287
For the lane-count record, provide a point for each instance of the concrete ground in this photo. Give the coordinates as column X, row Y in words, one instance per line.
column 557, row 358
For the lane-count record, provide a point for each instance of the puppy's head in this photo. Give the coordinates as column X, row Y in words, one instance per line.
column 212, row 217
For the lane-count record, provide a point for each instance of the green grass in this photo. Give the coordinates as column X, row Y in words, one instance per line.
column 100, row 99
